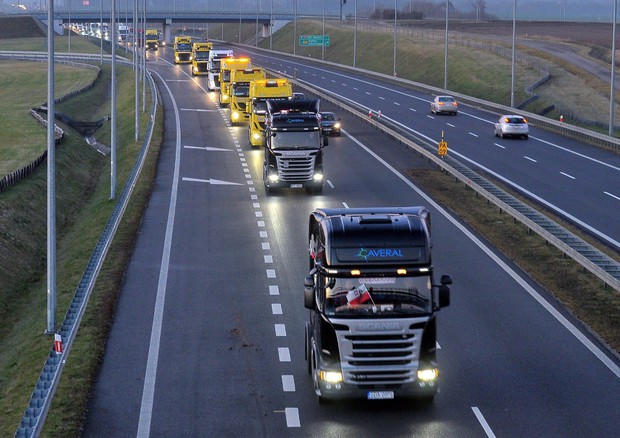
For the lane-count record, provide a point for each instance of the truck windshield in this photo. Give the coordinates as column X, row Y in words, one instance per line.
column 241, row 91
column 296, row 140
column 378, row 297
column 182, row 47
column 202, row 56
column 215, row 65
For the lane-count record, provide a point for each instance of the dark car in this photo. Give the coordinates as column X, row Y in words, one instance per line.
column 329, row 123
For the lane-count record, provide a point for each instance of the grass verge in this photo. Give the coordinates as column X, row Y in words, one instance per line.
column 27, row 139
column 83, row 206
column 583, row 294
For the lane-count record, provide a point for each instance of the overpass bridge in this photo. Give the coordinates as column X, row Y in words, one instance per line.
column 166, row 18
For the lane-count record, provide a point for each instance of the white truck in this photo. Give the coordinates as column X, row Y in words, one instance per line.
column 215, row 57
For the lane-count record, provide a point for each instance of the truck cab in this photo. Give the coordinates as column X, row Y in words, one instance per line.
column 227, row 65
column 260, row 91
column 152, row 39
column 182, row 50
column 240, row 92
column 200, row 58
column 373, row 302
column 293, row 146
column 215, row 63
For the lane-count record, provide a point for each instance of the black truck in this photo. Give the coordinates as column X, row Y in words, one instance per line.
column 373, row 304
column 294, row 144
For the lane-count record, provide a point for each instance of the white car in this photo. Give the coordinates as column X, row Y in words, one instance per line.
column 512, row 126
column 444, row 104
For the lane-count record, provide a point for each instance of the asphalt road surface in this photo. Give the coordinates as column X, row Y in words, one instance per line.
column 208, row 337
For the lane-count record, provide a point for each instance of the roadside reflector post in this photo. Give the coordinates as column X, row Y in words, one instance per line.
column 58, row 343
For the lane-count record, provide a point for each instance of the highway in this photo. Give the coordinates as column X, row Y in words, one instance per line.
column 208, row 336
column 576, row 181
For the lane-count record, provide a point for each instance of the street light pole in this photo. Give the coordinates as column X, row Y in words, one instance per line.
column 445, row 70
column 514, row 40
column 612, row 94
column 113, row 104
column 394, row 38
column 323, row 37
column 355, row 34
column 51, row 173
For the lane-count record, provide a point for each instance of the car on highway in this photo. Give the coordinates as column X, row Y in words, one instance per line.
column 298, row 96
column 512, row 126
column 330, row 124
column 444, row 104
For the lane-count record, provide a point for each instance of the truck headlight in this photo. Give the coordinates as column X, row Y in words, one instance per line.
column 235, row 115
column 337, row 125
column 330, row 376
column 318, row 176
column 428, row 375
column 273, row 177
column 256, row 136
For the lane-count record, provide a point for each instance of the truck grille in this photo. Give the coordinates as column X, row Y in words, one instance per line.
column 295, row 168
column 184, row 56
column 379, row 358
column 202, row 67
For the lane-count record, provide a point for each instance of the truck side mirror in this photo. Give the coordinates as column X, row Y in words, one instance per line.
column 446, row 280
column 309, row 292
column 444, row 296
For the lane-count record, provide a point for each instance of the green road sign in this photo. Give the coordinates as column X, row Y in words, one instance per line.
column 313, row 40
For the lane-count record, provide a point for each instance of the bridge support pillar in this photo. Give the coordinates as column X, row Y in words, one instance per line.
column 167, row 31
column 265, row 30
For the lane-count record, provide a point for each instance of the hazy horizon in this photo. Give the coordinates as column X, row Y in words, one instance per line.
column 552, row 10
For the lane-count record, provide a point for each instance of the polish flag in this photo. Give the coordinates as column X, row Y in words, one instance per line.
column 358, row 295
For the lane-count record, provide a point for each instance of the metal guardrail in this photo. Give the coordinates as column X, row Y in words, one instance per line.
column 595, row 261
column 42, row 395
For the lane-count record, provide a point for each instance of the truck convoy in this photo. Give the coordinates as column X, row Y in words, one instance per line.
column 152, row 39
column 293, row 146
column 215, row 59
column 260, row 91
column 182, row 50
column 200, row 58
column 226, row 67
column 373, row 304
column 240, row 92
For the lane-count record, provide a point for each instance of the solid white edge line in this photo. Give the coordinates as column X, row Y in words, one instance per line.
column 615, row 369
column 150, row 375
column 483, row 422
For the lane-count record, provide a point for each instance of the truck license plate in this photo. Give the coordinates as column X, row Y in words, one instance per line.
column 296, row 186
column 380, row 395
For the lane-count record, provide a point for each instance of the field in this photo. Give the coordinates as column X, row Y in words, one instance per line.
column 586, row 34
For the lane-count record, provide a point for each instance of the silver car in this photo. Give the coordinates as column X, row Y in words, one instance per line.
column 512, row 126
column 444, row 104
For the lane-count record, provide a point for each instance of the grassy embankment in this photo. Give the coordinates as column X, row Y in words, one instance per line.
column 83, row 208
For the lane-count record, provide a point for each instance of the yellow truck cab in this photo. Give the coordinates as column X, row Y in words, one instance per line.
column 240, row 92
column 260, row 91
column 152, row 39
column 200, row 58
column 226, row 66
column 182, row 50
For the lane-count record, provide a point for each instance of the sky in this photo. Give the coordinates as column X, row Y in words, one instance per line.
column 553, row 10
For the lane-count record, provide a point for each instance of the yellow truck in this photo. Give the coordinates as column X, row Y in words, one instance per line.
column 152, row 39
column 260, row 91
column 200, row 58
column 182, row 50
column 226, row 66
column 240, row 92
